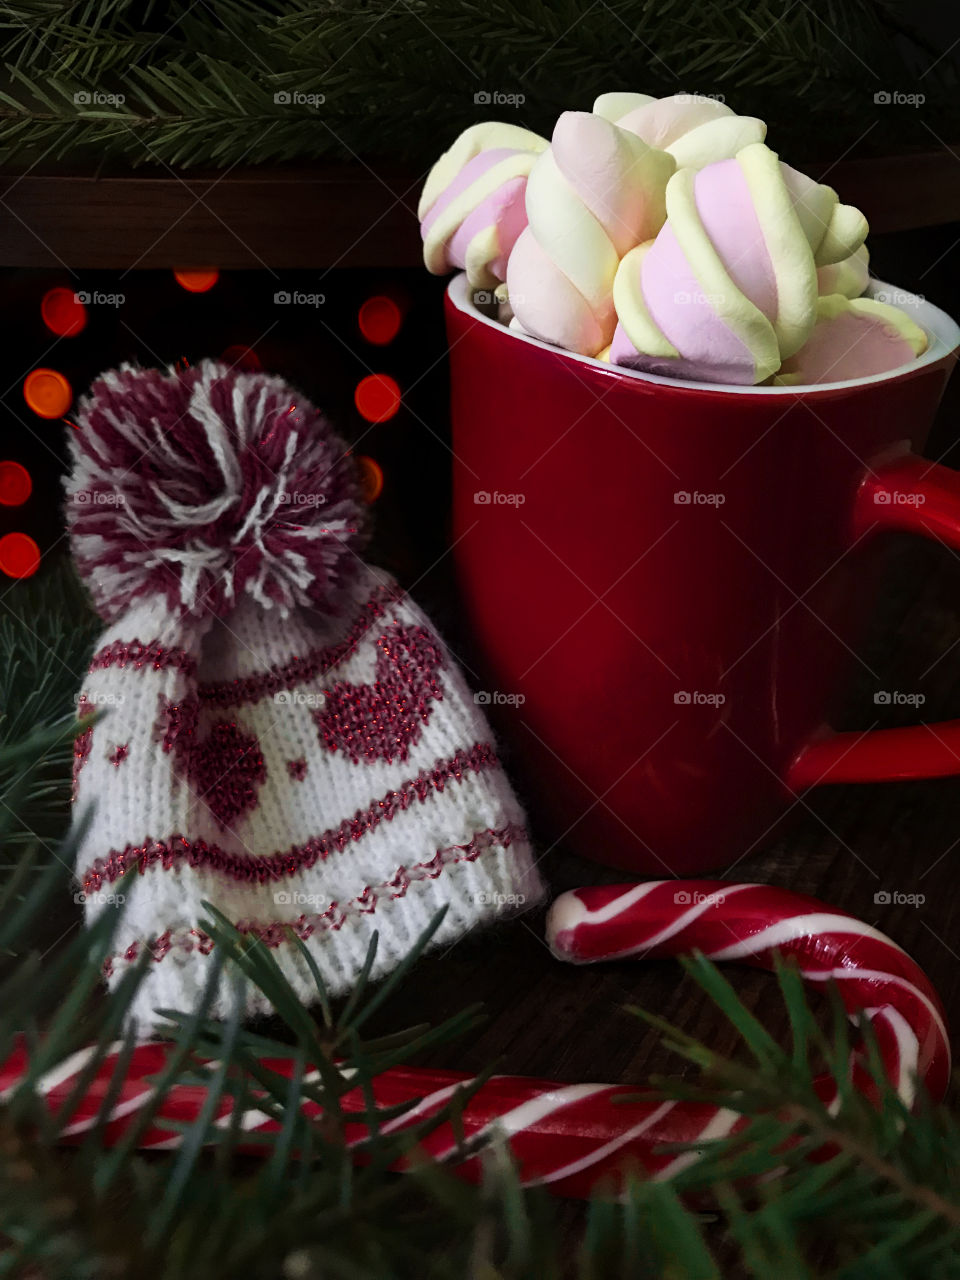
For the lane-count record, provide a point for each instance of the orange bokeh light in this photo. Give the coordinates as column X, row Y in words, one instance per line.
column 371, row 478
column 47, row 392
column 380, row 319
column 19, row 555
column 198, row 280
column 63, row 313
column 15, row 484
column 377, row 397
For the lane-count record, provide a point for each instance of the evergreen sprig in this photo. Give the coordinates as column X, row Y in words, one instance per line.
column 399, row 78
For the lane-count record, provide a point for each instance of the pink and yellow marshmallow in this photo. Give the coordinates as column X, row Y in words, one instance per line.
column 849, row 277
column 590, row 198
column 853, row 338
column 472, row 209
column 728, row 289
column 693, row 129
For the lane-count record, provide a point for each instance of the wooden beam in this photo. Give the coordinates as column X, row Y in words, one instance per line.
column 327, row 216
column 333, row 215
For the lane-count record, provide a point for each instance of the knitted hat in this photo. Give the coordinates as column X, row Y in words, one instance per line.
column 285, row 736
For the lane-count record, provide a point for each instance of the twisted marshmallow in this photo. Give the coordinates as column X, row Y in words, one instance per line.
column 472, row 210
column 728, row 289
column 696, row 131
column 853, row 338
column 596, row 193
column 849, row 277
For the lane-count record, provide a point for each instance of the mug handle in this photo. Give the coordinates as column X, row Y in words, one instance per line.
column 911, row 494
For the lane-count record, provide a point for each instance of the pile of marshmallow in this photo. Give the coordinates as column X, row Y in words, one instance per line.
column 663, row 235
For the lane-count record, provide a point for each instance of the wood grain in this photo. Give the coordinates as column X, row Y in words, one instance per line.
column 330, row 215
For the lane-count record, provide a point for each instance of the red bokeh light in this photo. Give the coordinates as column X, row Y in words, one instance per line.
column 63, row 313
column 380, row 319
column 241, row 357
column 197, row 280
column 371, row 478
column 19, row 555
column 15, row 484
column 377, row 397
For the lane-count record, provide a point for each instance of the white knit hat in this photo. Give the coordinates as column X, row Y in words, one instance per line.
column 284, row 736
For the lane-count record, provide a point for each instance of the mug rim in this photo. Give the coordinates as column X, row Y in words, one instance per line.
column 943, row 334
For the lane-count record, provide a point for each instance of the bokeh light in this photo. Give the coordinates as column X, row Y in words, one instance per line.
column 47, row 392
column 198, row 280
column 15, row 484
column 380, row 319
column 241, row 357
column 19, row 555
column 377, row 397
column 63, row 313
column 371, row 477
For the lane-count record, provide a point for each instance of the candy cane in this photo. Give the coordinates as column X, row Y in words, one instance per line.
column 578, row 1138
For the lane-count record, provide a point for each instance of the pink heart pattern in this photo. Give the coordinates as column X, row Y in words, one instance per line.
column 383, row 720
column 227, row 769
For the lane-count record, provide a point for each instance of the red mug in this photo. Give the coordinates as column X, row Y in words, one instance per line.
column 666, row 582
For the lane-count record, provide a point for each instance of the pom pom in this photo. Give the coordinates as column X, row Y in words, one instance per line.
column 203, row 484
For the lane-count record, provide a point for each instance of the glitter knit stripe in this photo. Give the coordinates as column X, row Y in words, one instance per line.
column 139, row 653
column 247, row 689
column 172, row 853
column 337, row 914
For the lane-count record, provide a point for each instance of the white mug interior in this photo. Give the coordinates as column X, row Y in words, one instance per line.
column 942, row 332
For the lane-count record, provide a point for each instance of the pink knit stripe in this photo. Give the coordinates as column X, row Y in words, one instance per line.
column 198, row 853
column 337, row 914
column 249, row 689
column 138, row 653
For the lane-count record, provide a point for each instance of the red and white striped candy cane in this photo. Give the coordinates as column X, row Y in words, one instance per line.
column 750, row 923
column 578, row 1138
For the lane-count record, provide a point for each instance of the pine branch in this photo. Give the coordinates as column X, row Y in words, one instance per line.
column 198, row 83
